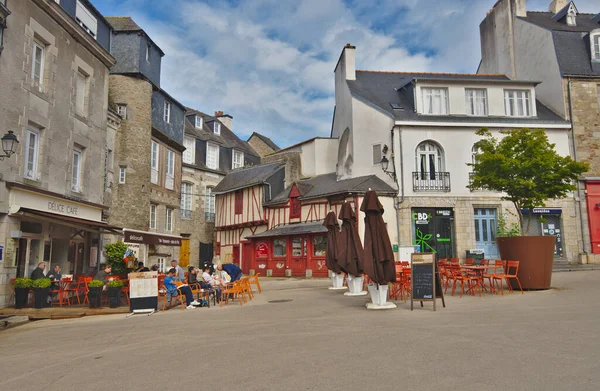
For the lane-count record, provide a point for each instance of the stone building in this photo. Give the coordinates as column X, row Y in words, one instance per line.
column 145, row 190
column 561, row 49
column 262, row 144
column 212, row 150
column 424, row 125
column 54, row 68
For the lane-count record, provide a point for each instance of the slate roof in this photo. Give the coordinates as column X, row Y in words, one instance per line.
column 572, row 43
column 384, row 89
column 227, row 138
column 327, row 185
column 292, row 229
column 123, row 23
column 246, row 177
column 265, row 140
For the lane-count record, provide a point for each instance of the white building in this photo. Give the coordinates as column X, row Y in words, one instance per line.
column 424, row 124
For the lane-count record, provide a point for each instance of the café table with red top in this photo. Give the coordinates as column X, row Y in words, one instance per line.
column 63, row 289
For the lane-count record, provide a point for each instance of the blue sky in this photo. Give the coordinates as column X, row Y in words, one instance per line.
column 269, row 63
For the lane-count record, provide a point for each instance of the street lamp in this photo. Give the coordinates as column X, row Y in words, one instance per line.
column 385, row 163
column 9, row 144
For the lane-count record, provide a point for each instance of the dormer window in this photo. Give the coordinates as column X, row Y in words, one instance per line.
column 596, row 46
column 217, row 127
column 572, row 15
column 86, row 19
column 198, row 122
column 517, row 103
column 435, row 101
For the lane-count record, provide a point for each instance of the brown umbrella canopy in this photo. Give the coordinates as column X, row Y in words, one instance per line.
column 379, row 256
column 333, row 231
column 349, row 250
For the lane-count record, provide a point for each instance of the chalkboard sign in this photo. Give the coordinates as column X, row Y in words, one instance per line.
column 425, row 280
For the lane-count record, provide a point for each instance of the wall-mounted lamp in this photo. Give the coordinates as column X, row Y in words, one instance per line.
column 9, row 144
column 385, row 164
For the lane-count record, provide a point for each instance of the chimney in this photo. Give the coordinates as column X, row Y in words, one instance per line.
column 520, row 8
column 557, row 5
column 225, row 119
column 347, row 63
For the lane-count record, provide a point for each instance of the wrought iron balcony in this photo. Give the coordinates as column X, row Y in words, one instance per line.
column 431, row 181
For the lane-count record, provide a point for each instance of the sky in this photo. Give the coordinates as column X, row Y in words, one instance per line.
column 269, row 63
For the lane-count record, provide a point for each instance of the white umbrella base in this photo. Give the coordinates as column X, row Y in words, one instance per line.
column 386, row 306
column 355, row 285
column 337, row 280
column 338, row 289
column 363, row 293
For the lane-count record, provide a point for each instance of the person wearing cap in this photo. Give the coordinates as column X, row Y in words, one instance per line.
column 175, row 290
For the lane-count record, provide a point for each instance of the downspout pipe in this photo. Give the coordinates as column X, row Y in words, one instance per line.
column 399, row 186
column 574, row 142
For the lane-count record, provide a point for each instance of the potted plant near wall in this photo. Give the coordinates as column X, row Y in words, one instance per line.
column 114, row 293
column 22, row 287
column 525, row 166
column 95, row 293
column 41, row 288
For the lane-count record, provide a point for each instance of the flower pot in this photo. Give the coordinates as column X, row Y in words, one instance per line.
column 114, row 293
column 41, row 297
column 21, row 295
column 535, row 255
column 337, row 281
column 95, row 297
column 355, row 285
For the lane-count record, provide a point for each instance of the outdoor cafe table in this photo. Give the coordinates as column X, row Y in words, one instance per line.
column 479, row 271
column 63, row 286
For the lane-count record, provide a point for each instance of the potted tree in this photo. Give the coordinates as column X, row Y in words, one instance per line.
column 22, row 287
column 95, row 293
column 114, row 292
column 525, row 166
column 41, row 288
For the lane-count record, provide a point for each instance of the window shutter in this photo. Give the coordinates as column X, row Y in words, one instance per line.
column 376, row 154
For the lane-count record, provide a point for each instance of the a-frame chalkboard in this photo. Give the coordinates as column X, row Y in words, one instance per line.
column 425, row 280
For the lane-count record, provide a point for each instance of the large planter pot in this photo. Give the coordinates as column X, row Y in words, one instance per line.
column 535, row 255
column 114, row 294
column 95, row 297
column 41, row 297
column 21, row 295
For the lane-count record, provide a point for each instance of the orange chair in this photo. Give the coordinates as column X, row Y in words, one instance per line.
column 125, row 291
column 253, row 280
column 484, row 262
column 169, row 297
column 470, row 261
column 12, row 289
column 396, row 289
column 455, row 261
column 85, row 289
column 405, row 264
column 235, row 290
column 459, row 276
column 406, row 282
column 512, row 269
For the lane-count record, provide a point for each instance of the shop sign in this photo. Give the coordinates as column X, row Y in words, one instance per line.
column 262, row 265
column 280, row 265
column 546, row 211
column 443, row 212
column 44, row 203
column 262, row 250
column 149, row 238
column 421, row 218
column 59, row 207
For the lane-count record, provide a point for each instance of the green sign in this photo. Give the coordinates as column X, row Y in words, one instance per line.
column 395, row 248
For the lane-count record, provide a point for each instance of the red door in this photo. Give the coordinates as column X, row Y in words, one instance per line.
column 593, row 206
column 236, row 254
column 299, row 253
column 247, row 259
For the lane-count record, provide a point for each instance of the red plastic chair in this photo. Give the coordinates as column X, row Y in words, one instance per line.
column 512, row 269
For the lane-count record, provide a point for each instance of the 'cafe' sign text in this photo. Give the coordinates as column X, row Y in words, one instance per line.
column 58, row 207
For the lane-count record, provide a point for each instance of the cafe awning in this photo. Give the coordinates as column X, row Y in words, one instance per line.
column 145, row 237
column 292, row 229
column 74, row 222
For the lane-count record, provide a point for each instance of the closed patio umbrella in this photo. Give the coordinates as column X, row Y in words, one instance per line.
column 349, row 250
column 333, row 231
column 379, row 263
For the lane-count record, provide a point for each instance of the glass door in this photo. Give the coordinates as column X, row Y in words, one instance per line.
column 485, row 232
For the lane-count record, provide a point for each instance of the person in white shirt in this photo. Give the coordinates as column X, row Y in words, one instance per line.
column 222, row 276
column 212, row 281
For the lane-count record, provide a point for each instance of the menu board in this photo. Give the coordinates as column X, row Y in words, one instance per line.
column 143, row 290
column 425, row 280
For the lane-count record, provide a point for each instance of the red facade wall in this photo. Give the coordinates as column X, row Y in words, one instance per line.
column 593, row 206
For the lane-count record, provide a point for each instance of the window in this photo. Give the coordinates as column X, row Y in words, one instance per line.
column 76, row 174
column 516, row 103
column 169, row 220
column 170, row 169
column 476, row 101
column 377, row 156
column 154, row 163
column 190, row 149
column 152, row 216
column 162, row 265
column 198, row 122
column 167, row 113
column 186, row 201
column 435, row 101
column 122, row 110
column 148, row 52
column 319, row 246
column 217, row 127
column 279, row 248
column 86, row 19
column 596, row 47
column 212, row 156
column 210, row 204
column 238, row 160
column 429, row 160
column 474, row 152
column 295, row 208
column 31, row 154
column 122, row 173
column 37, row 65
column 239, row 202
column 80, row 87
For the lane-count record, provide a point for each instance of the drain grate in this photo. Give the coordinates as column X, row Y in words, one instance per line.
column 280, row 301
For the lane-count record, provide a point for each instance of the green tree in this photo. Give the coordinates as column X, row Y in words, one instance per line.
column 523, row 165
column 114, row 256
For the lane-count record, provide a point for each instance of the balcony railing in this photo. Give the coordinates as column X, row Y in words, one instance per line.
column 431, row 181
column 210, row 216
column 186, row 214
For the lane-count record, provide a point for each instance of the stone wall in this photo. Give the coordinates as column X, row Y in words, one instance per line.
column 260, row 146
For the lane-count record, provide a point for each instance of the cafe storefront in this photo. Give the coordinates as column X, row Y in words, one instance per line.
column 39, row 225
column 433, row 231
column 153, row 248
column 290, row 250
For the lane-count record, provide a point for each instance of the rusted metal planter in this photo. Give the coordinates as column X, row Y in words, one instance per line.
column 535, row 255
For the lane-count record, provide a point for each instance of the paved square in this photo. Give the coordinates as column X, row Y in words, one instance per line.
column 298, row 335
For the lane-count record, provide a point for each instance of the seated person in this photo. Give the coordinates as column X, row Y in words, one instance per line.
column 154, row 268
column 232, row 269
column 55, row 274
column 141, row 268
column 192, row 279
column 38, row 272
column 174, row 290
column 222, row 276
column 210, row 280
column 104, row 273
